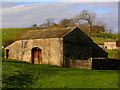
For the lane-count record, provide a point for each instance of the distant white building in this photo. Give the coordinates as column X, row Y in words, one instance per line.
column 113, row 44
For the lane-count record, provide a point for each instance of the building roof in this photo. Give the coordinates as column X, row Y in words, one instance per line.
column 45, row 33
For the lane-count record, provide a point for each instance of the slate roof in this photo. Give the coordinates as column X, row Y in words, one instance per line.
column 45, row 33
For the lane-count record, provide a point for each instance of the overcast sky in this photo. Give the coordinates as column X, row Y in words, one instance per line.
column 25, row 14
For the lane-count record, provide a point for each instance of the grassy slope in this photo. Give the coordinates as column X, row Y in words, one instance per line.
column 99, row 40
column 10, row 33
column 113, row 53
column 19, row 74
column 106, row 36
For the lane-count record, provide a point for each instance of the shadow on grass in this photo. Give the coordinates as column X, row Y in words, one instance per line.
column 18, row 80
column 26, row 76
column 85, row 71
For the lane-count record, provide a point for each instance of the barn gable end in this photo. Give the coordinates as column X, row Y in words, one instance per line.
column 81, row 43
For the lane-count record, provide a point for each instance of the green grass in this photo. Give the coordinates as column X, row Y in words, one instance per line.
column 112, row 53
column 99, row 41
column 103, row 37
column 109, row 35
column 10, row 32
column 19, row 74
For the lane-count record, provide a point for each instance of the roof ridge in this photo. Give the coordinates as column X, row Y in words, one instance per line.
column 70, row 28
column 49, row 30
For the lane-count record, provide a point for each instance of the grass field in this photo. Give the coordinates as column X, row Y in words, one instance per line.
column 10, row 33
column 113, row 53
column 104, row 37
column 19, row 74
column 99, row 40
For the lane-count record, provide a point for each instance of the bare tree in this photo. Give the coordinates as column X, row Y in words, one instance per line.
column 67, row 22
column 88, row 16
column 101, row 26
column 49, row 22
column 109, row 30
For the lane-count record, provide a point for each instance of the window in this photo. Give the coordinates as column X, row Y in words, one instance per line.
column 24, row 44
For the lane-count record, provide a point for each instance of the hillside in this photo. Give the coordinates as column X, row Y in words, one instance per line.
column 19, row 74
column 100, row 38
column 10, row 34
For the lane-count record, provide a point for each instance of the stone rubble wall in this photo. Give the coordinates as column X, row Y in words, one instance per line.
column 96, row 64
column 83, row 64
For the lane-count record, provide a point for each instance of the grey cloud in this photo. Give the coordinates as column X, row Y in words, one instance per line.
column 36, row 13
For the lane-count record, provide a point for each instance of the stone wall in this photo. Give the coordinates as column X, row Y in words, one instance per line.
column 95, row 64
column 83, row 64
column 52, row 51
column 105, row 64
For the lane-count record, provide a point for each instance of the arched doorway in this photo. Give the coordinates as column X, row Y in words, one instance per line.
column 36, row 55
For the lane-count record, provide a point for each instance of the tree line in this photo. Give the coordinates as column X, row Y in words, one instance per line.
column 84, row 20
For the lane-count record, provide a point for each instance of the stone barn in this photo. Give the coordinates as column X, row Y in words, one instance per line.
column 55, row 47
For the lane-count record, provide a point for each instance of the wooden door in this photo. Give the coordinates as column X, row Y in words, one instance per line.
column 37, row 56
